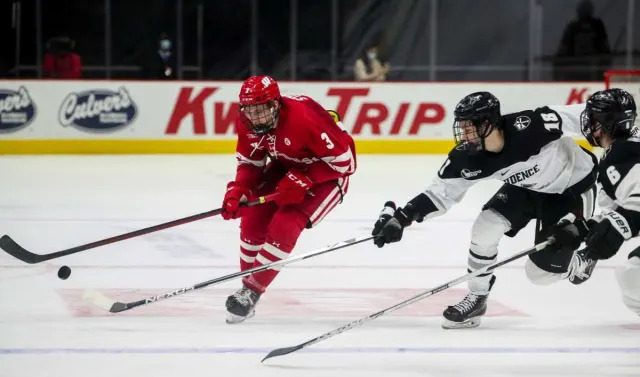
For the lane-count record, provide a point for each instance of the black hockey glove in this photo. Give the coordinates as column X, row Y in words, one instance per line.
column 385, row 215
column 606, row 237
column 567, row 234
column 389, row 227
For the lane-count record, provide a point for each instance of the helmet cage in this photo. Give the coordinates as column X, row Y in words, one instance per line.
column 260, row 118
column 614, row 124
column 471, row 141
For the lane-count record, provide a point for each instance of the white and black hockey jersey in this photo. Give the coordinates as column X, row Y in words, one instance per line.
column 619, row 184
column 537, row 155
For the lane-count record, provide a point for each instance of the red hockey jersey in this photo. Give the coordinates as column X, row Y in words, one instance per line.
column 306, row 138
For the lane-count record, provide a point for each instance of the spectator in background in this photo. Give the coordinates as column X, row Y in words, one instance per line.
column 369, row 68
column 584, row 45
column 161, row 64
column 60, row 61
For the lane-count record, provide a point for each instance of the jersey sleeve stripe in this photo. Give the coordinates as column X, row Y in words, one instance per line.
column 346, row 156
column 242, row 160
column 343, row 163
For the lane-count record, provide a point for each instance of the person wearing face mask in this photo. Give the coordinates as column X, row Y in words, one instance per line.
column 161, row 63
column 369, row 68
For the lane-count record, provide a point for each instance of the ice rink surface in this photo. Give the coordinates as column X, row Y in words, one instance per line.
column 49, row 203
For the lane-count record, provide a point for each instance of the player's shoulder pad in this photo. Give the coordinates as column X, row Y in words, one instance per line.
column 520, row 120
column 544, row 110
column 303, row 107
column 546, row 115
column 335, row 115
column 534, row 120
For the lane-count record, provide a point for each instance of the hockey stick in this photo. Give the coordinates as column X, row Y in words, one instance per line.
column 102, row 301
column 11, row 247
column 362, row 321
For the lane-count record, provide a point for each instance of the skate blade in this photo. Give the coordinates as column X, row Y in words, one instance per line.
column 233, row 319
column 577, row 280
column 468, row 324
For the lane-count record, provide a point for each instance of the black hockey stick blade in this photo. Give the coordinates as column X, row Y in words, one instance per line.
column 282, row 351
column 12, row 248
column 409, row 301
column 118, row 307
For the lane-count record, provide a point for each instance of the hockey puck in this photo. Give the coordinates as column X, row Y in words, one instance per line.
column 64, row 272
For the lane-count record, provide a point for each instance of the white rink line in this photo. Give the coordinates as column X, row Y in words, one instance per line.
column 235, row 267
column 334, row 350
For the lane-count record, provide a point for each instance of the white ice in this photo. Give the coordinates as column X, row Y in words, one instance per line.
column 49, row 203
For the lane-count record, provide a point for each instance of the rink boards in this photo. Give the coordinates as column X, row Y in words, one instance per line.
column 130, row 117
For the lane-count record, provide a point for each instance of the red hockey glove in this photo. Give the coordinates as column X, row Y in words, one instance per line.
column 292, row 188
column 232, row 199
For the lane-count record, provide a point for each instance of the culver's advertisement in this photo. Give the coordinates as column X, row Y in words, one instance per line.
column 99, row 110
column 17, row 109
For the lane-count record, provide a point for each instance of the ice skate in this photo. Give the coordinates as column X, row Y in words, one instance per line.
column 581, row 267
column 468, row 312
column 241, row 305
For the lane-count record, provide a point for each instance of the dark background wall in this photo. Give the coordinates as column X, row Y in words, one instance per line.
column 474, row 39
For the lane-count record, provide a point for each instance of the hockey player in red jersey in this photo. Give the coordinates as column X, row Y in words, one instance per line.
column 293, row 147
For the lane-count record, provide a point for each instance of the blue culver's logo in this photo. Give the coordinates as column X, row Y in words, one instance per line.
column 98, row 110
column 16, row 109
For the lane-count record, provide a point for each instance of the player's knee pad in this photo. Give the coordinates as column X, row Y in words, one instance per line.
column 286, row 225
column 539, row 276
column 255, row 222
column 487, row 230
column 628, row 277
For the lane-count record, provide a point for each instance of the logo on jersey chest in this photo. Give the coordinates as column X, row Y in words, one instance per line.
column 468, row 174
column 522, row 122
column 256, row 146
column 522, row 175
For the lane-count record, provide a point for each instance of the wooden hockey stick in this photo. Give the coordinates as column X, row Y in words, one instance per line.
column 11, row 247
column 104, row 302
column 416, row 298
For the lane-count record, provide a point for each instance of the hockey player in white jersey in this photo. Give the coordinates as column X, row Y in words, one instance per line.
column 607, row 122
column 545, row 174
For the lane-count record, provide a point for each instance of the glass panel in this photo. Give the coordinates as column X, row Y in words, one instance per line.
column 400, row 29
column 227, row 37
column 580, row 49
column 190, row 37
column 314, row 40
column 83, row 23
column 135, row 33
column 27, row 40
column 482, row 33
column 273, row 38
column 635, row 60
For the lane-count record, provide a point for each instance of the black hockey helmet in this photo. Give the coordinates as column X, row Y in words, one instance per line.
column 480, row 110
column 612, row 111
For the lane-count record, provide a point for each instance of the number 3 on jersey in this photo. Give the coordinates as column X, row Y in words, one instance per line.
column 551, row 121
column 326, row 139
